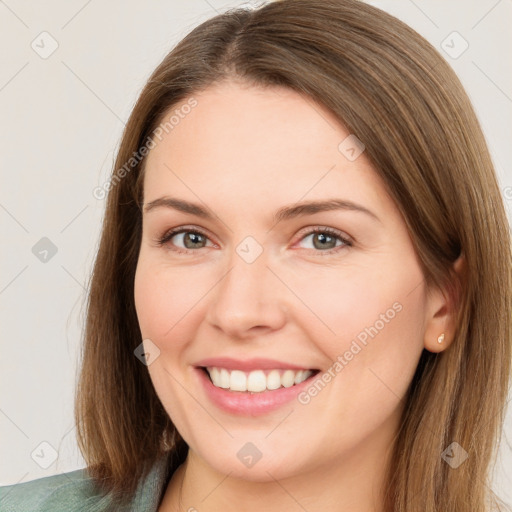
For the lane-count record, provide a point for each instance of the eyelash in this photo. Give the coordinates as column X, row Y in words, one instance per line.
column 162, row 241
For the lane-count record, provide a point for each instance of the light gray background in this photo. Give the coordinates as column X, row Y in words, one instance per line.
column 62, row 118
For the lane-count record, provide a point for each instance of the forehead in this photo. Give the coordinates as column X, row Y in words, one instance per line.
column 242, row 143
column 229, row 115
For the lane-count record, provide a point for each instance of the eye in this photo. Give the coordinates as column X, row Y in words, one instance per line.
column 327, row 240
column 185, row 239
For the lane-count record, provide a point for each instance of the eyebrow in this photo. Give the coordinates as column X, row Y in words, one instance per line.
column 285, row 213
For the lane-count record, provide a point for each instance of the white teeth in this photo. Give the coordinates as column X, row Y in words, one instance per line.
column 224, row 378
column 288, row 378
column 273, row 380
column 238, row 381
column 257, row 380
column 215, row 375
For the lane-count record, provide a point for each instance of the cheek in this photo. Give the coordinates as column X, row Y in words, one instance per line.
column 165, row 301
column 374, row 353
column 358, row 302
column 370, row 322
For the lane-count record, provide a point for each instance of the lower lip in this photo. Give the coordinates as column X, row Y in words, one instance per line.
column 250, row 404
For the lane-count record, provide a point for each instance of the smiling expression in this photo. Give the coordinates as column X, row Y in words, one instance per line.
column 242, row 285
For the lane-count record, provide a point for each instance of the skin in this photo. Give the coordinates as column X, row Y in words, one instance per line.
column 245, row 152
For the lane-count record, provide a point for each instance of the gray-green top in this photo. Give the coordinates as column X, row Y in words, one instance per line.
column 74, row 491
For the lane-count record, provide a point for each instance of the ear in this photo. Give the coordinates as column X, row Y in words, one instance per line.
column 442, row 308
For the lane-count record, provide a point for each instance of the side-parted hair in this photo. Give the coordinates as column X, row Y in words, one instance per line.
column 387, row 85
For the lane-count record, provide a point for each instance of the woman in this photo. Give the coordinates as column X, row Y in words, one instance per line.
column 301, row 299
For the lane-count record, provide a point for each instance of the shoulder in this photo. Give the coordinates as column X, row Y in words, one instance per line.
column 67, row 492
column 76, row 492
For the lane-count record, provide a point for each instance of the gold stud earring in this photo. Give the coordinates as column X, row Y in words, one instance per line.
column 440, row 339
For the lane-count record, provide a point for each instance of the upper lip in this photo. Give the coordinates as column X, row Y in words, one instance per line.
column 249, row 364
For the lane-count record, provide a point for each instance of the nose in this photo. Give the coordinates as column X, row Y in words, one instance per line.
column 247, row 301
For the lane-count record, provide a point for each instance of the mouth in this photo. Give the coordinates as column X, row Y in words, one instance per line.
column 251, row 387
column 258, row 380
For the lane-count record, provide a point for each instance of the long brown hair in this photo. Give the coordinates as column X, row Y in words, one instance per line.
column 393, row 90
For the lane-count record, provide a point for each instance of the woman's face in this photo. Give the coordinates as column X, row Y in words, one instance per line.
column 248, row 288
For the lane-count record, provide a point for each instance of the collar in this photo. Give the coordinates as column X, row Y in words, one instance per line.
column 150, row 491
